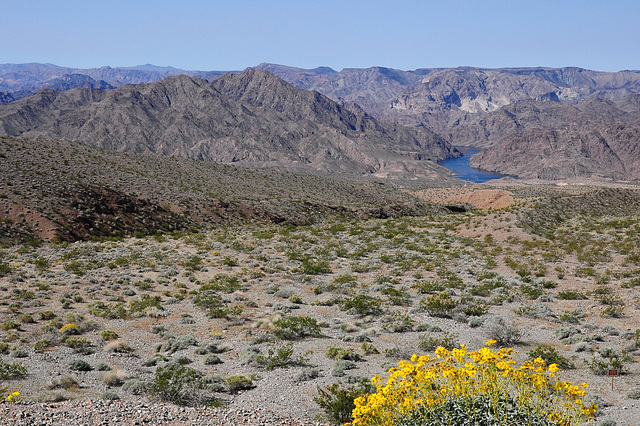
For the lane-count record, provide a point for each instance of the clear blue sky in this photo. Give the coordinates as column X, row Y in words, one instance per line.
column 404, row 34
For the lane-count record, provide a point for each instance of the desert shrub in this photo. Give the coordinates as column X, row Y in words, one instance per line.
column 177, row 384
column 368, row 348
column 46, row 315
column 119, row 347
column 570, row 295
column 439, row 305
column 503, row 332
column 539, row 310
column 337, row 402
column 154, row 360
column 25, row 319
column 135, row 386
column 230, row 261
column 341, row 353
column 429, row 286
column 397, row 296
column 109, row 335
column 314, row 266
column 112, row 378
column 108, row 310
column 437, row 391
column 222, row 282
column 110, row 396
column 208, row 299
column 551, row 356
column 531, row 292
column 429, row 342
column 307, row 374
column 612, row 311
column 102, row 366
column 80, row 365
column 238, row 382
column 573, row 317
column 64, row 382
column 19, row 353
column 634, row 393
column 211, row 359
column 609, row 359
column 281, row 357
column 193, row 263
column 42, row 344
column 146, row 301
column 341, row 365
column 397, row 322
column 9, row 325
column 362, row 305
column 567, row 332
column 51, row 396
column 9, row 371
column 294, row 327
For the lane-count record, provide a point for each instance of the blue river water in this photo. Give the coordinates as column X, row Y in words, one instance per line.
column 461, row 167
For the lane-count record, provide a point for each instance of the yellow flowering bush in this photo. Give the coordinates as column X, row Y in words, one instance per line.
column 70, row 329
column 477, row 388
column 13, row 397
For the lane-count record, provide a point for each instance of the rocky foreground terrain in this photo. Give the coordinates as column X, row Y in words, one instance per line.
column 261, row 316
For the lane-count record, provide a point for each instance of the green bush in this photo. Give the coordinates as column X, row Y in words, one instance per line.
column 455, row 411
column 237, row 383
column 294, row 327
column 429, row 342
column 362, row 305
column 341, row 353
column 397, row 322
column 337, row 402
column 570, row 295
column 178, row 384
column 280, row 358
column 314, row 266
column 207, row 298
column 551, row 356
column 503, row 332
column 9, row 371
column 439, row 305
column 80, row 365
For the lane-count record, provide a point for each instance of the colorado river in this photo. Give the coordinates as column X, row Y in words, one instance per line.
column 461, row 167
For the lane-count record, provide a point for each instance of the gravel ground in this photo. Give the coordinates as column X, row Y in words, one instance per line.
column 97, row 412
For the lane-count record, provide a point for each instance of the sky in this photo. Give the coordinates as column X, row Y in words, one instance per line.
column 230, row 35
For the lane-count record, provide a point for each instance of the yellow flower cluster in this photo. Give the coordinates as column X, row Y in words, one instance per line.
column 430, row 381
column 13, row 397
column 69, row 329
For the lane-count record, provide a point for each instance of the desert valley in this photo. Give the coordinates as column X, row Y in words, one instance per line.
column 252, row 247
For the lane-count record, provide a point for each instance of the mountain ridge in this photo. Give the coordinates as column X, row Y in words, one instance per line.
column 253, row 119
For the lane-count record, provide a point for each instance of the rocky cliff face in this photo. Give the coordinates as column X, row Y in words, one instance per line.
column 611, row 152
column 442, row 99
column 253, row 119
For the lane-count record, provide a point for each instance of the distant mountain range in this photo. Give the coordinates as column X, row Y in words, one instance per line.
column 253, row 119
column 357, row 128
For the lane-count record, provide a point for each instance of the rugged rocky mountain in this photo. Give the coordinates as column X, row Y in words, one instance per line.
column 611, row 152
column 551, row 140
column 69, row 190
column 252, row 119
column 442, row 99
column 438, row 98
column 6, row 97
column 34, row 76
column 61, row 84
column 593, row 113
